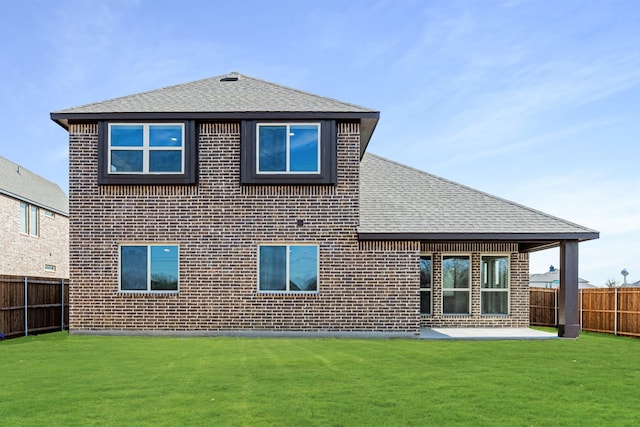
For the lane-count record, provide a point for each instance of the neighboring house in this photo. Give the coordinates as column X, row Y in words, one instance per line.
column 551, row 279
column 632, row 285
column 35, row 227
column 231, row 204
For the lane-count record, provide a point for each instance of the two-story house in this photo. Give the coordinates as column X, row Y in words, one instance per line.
column 550, row 279
column 35, row 224
column 235, row 205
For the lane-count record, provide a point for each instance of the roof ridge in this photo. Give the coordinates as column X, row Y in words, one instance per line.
column 24, row 169
column 483, row 193
column 141, row 93
column 22, row 187
column 214, row 78
column 300, row 91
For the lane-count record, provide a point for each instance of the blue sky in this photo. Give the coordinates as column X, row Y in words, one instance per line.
column 534, row 101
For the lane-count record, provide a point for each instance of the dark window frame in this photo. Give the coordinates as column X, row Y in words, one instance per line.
column 328, row 156
column 188, row 177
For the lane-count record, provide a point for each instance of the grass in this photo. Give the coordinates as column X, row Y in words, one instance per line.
column 57, row 379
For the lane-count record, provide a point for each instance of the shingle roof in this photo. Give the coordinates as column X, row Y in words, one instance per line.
column 221, row 94
column 397, row 199
column 22, row 184
column 542, row 279
column 225, row 96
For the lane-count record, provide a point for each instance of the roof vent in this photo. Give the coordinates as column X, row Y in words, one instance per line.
column 230, row 78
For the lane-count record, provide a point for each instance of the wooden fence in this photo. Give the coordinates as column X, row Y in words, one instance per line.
column 31, row 305
column 612, row 310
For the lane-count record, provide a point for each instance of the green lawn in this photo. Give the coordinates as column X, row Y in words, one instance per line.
column 57, row 379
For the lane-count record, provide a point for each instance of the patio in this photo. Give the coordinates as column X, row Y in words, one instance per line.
column 485, row 334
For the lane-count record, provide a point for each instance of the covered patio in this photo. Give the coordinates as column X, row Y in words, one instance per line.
column 399, row 203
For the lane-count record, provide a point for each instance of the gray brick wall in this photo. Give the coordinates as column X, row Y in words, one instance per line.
column 26, row 255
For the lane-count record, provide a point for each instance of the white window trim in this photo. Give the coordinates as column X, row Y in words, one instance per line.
column 49, row 214
column 287, row 281
column 288, row 149
column 51, row 269
column 430, row 255
column 146, row 148
column 148, row 290
column 507, row 289
column 467, row 289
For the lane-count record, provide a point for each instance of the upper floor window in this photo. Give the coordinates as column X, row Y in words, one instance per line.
column 288, row 148
column 146, row 148
column 288, row 153
column 147, row 153
column 29, row 221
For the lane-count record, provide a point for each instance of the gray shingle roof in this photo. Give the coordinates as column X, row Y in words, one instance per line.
column 221, row 94
column 22, row 184
column 225, row 96
column 398, row 199
column 541, row 280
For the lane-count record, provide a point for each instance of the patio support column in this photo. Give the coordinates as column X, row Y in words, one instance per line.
column 568, row 323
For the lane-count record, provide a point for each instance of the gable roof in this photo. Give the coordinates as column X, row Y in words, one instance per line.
column 22, row 184
column 553, row 277
column 232, row 95
column 397, row 201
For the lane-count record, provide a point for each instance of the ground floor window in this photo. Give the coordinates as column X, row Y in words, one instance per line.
column 495, row 285
column 288, row 268
column 456, row 284
column 148, row 267
column 425, row 284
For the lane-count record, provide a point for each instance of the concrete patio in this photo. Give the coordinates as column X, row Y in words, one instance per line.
column 485, row 334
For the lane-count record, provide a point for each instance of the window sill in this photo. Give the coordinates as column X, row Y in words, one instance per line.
column 287, row 179
column 147, row 179
column 287, row 293
column 149, row 293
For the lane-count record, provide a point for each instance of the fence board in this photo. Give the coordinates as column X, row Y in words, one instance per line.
column 629, row 311
column 611, row 310
column 44, row 305
column 542, row 307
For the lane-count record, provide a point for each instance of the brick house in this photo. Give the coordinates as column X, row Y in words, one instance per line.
column 35, row 229
column 235, row 205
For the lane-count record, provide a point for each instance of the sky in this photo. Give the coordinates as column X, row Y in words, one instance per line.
column 537, row 102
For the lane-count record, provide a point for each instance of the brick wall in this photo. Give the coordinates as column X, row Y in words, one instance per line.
column 26, row 255
column 518, row 285
column 218, row 226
